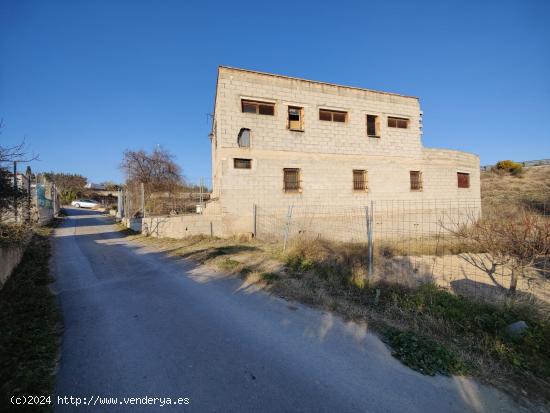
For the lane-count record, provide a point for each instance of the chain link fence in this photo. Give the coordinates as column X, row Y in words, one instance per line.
column 138, row 200
column 412, row 242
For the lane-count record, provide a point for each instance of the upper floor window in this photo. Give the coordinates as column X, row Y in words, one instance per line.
column 291, row 179
column 359, row 180
column 295, row 118
column 332, row 115
column 239, row 163
column 463, row 179
column 260, row 108
column 243, row 139
column 398, row 122
column 373, row 126
column 416, row 181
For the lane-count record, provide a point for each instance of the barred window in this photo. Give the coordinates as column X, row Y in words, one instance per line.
column 463, row 179
column 359, row 180
column 332, row 115
column 240, row 163
column 261, row 108
column 398, row 122
column 291, row 179
column 416, row 181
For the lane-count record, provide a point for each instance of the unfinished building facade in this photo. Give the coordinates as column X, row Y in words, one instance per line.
column 280, row 141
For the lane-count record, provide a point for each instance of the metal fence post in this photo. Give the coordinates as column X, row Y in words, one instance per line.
column 255, row 211
column 370, row 249
column 142, row 200
column 287, row 226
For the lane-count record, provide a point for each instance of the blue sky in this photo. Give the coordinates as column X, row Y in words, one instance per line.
column 82, row 81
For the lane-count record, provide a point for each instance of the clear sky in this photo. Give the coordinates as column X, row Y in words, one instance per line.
column 84, row 80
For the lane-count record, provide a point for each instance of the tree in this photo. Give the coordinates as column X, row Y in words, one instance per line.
column 70, row 186
column 10, row 155
column 157, row 171
column 517, row 240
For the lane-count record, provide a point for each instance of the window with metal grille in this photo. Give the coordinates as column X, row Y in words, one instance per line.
column 373, row 127
column 291, row 179
column 398, row 122
column 243, row 139
column 295, row 118
column 240, row 163
column 463, row 179
column 359, row 180
column 332, row 115
column 260, row 108
column 416, row 181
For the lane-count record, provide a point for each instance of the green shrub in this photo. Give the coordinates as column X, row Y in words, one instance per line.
column 422, row 354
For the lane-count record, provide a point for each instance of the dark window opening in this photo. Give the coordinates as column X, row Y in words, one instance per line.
column 359, row 180
column 243, row 139
column 332, row 115
column 463, row 179
column 261, row 108
column 401, row 123
column 291, row 179
column 373, row 126
column 239, row 163
column 295, row 118
column 416, row 181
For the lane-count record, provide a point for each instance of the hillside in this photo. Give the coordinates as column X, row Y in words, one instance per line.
column 530, row 188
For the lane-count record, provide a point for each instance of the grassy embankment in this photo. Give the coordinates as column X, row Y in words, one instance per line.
column 29, row 324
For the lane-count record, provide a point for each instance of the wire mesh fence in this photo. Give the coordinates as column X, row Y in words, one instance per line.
column 414, row 242
column 139, row 200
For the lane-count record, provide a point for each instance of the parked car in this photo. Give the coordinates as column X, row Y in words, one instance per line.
column 85, row 203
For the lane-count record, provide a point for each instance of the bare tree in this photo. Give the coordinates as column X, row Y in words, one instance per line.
column 516, row 240
column 157, row 171
column 10, row 156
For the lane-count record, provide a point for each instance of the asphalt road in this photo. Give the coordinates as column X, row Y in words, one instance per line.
column 139, row 324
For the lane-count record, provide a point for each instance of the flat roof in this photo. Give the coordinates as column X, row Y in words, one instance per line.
column 313, row 81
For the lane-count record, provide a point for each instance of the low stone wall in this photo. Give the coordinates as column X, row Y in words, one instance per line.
column 10, row 257
column 182, row 226
column 132, row 223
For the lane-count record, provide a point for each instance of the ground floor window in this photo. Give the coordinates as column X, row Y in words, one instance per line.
column 359, row 180
column 291, row 179
column 240, row 163
column 416, row 180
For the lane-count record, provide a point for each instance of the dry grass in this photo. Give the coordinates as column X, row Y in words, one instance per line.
column 531, row 188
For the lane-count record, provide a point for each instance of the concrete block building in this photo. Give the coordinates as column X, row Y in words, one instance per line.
column 280, row 141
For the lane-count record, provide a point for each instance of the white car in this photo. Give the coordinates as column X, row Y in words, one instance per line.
column 85, row 203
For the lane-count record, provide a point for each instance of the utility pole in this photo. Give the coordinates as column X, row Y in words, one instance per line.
column 15, row 191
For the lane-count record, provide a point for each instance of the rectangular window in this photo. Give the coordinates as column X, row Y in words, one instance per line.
column 373, row 126
column 416, row 181
column 398, row 122
column 463, row 179
column 332, row 115
column 295, row 118
column 291, row 179
column 359, row 180
column 239, row 163
column 261, row 108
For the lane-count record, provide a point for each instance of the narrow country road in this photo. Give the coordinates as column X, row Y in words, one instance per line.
column 138, row 324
